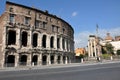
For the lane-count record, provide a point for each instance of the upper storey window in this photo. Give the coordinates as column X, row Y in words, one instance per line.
column 46, row 18
column 11, row 18
column 11, row 9
column 37, row 24
column 63, row 30
column 27, row 20
column 57, row 29
column 50, row 19
column 44, row 25
column 40, row 16
column 29, row 12
column 53, row 28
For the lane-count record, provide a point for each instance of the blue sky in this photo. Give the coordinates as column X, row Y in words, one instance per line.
column 83, row 15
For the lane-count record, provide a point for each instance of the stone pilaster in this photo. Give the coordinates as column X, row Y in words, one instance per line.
column 40, row 59
column 61, row 48
column 16, row 60
column 29, row 59
column 40, row 40
column 55, row 59
column 48, row 59
column 29, row 40
column 55, row 41
column 18, row 38
column 48, row 42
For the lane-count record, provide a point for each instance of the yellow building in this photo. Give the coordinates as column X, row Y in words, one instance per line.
column 79, row 51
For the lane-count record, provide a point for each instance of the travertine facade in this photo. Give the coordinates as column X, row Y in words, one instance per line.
column 29, row 36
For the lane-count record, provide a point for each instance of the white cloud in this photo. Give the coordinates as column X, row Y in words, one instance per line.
column 74, row 14
column 81, row 39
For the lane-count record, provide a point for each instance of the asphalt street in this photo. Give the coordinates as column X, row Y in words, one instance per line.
column 109, row 71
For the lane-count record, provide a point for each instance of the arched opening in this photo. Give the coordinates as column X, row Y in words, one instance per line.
column 34, row 60
column 23, row 59
column 52, row 42
column 44, row 41
column 10, row 61
column 58, row 43
column 64, row 58
column 35, row 40
column 63, row 44
column 11, row 37
column 44, row 59
column 58, row 59
column 52, row 59
column 24, row 39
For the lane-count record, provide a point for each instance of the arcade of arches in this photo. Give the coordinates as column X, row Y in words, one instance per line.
column 27, row 48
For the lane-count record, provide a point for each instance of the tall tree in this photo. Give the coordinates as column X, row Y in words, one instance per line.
column 109, row 48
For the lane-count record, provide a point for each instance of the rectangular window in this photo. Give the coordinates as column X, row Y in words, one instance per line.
column 27, row 20
column 53, row 28
column 57, row 29
column 11, row 18
column 37, row 24
column 63, row 30
column 44, row 25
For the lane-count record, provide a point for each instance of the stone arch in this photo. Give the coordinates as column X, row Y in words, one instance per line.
column 58, row 59
column 10, row 61
column 23, row 59
column 35, row 40
column 64, row 58
column 44, row 59
column 52, row 42
column 52, row 59
column 11, row 37
column 58, row 43
column 35, row 59
column 44, row 38
column 24, row 38
column 63, row 44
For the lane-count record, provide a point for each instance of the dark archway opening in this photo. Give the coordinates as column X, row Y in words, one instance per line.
column 34, row 60
column 52, row 59
column 11, row 37
column 44, row 60
column 44, row 41
column 63, row 44
column 24, row 39
column 35, row 40
column 58, row 60
column 58, row 43
column 52, row 42
column 10, row 61
column 23, row 60
column 64, row 58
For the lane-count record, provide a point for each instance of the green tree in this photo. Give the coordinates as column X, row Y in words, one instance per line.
column 109, row 48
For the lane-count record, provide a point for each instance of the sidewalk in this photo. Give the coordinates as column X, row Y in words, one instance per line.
column 58, row 65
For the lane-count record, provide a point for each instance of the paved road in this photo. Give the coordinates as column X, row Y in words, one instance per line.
column 109, row 71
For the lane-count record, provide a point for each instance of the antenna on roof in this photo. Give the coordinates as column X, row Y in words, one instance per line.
column 97, row 30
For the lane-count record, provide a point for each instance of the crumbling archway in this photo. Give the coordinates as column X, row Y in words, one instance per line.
column 44, row 59
column 52, row 59
column 58, row 59
column 44, row 41
column 23, row 59
column 11, row 37
column 10, row 61
column 35, row 40
column 34, row 60
column 52, row 42
column 24, row 38
column 64, row 58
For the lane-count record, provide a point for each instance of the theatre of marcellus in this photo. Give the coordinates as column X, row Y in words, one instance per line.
column 31, row 37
